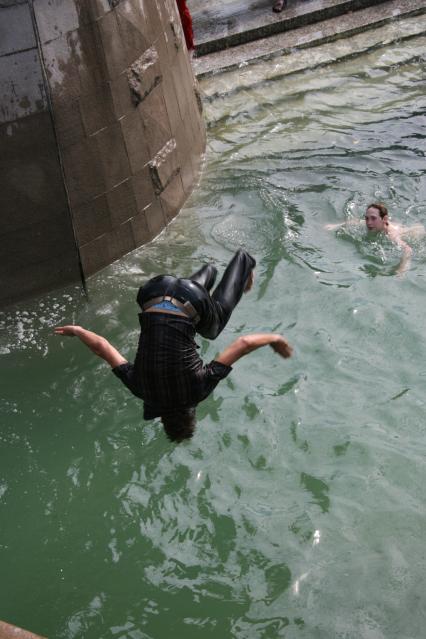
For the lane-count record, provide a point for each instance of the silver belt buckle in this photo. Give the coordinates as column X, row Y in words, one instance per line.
column 192, row 312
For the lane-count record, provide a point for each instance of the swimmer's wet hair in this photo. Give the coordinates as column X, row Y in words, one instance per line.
column 180, row 425
column 380, row 207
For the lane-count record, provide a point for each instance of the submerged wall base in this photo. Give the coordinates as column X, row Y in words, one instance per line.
column 7, row 631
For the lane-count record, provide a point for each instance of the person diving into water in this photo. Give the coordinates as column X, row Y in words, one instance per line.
column 168, row 374
column 377, row 221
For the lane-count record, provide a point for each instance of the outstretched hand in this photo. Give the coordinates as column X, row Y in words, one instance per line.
column 282, row 347
column 70, row 330
column 98, row 344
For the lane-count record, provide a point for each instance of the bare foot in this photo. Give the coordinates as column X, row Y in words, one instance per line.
column 279, row 5
column 249, row 283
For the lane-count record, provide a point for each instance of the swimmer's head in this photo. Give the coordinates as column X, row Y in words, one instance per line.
column 180, row 425
column 376, row 217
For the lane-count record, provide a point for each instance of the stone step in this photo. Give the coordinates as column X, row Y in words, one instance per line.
column 233, row 23
column 227, row 91
column 317, row 34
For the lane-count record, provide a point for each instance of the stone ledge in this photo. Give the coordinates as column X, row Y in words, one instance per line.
column 310, row 36
column 7, row 631
column 239, row 22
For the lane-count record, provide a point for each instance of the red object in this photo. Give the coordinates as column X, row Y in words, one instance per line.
column 186, row 20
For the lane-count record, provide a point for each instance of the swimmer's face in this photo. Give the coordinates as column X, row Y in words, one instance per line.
column 373, row 220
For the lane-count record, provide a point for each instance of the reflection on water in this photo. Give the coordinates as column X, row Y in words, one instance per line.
column 298, row 508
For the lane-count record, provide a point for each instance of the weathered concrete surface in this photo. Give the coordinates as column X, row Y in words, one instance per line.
column 290, row 42
column 7, row 631
column 101, row 135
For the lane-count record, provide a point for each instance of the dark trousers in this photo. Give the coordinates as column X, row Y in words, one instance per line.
column 214, row 310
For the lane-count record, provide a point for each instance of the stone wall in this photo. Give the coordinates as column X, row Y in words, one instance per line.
column 8, row 631
column 101, row 134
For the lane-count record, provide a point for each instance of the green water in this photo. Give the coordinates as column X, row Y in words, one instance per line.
column 298, row 508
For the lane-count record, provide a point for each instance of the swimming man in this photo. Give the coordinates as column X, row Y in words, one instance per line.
column 377, row 221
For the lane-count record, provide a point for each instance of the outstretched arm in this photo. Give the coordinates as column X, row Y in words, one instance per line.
column 407, row 251
column 333, row 227
column 97, row 344
column 248, row 343
column 405, row 262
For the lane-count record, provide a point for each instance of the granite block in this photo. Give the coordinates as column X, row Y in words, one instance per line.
column 91, row 220
column 183, row 89
column 55, row 18
column 32, row 279
column 143, row 75
column 121, row 240
column 113, row 45
column 31, row 179
column 155, row 218
column 156, row 120
column 22, row 89
column 173, row 39
column 38, row 242
column 95, row 255
column 168, row 10
column 143, row 189
column 100, row 8
column 164, row 166
column 91, row 10
column 137, row 12
column 90, row 59
column 61, row 63
column 172, row 198
column 185, row 61
column 83, row 176
column 188, row 176
column 16, row 29
column 107, row 248
column 121, row 203
column 131, row 23
column 154, row 20
column 135, row 141
column 185, row 140
column 166, row 52
column 140, row 228
column 97, row 109
column 121, row 96
column 69, row 123
column 113, row 160
column 84, row 11
column 170, row 100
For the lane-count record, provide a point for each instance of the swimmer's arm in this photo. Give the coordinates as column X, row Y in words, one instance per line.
column 248, row 343
column 97, row 344
column 417, row 231
column 407, row 251
column 333, row 227
column 405, row 262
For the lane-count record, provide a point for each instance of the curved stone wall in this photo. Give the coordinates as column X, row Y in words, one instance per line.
column 101, row 134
